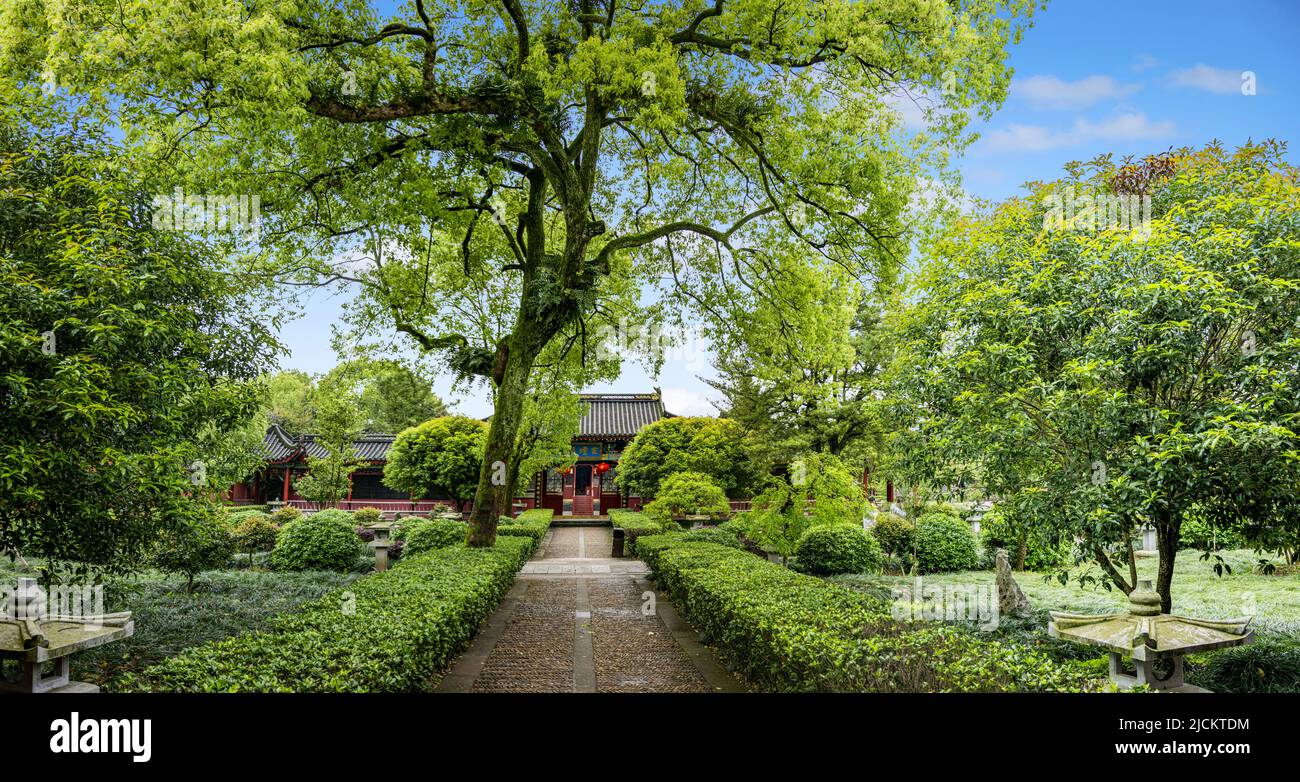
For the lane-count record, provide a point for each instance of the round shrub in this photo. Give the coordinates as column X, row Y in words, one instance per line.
column 254, row 532
column 894, row 533
column 321, row 541
column 432, row 535
column 366, row 517
column 688, row 494
column 722, row 537
column 944, row 544
column 828, row 551
column 285, row 515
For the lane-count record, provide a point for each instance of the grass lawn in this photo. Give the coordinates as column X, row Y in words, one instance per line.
column 167, row 620
column 1274, row 601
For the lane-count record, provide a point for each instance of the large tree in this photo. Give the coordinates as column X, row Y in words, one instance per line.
column 573, row 148
column 123, row 348
column 1098, row 376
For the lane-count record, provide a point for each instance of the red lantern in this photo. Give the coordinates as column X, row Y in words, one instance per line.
column 602, row 468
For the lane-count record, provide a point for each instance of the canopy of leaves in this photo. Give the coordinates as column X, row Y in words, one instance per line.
column 1099, row 377
column 120, row 345
column 712, row 446
column 438, row 458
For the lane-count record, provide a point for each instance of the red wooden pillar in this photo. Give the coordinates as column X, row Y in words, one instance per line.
column 286, row 484
column 866, row 482
column 889, row 491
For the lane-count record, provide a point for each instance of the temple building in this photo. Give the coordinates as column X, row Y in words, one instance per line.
column 587, row 488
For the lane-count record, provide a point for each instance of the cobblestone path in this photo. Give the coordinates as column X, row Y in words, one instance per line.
column 577, row 620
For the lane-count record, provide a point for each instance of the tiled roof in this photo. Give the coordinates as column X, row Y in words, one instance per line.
column 281, row 446
column 619, row 415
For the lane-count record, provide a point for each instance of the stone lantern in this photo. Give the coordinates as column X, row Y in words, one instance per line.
column 1155, row 642
column 31, row 641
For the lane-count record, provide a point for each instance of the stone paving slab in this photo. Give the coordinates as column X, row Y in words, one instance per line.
column 574, row 623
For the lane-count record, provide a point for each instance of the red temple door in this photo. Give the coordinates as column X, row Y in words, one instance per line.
column 582, row 488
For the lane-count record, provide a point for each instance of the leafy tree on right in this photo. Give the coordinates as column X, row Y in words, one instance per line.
column 1098, row 376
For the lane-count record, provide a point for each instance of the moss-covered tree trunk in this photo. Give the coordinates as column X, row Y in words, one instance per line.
column 1167, row 529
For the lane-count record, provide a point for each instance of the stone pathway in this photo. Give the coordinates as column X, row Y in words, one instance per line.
column 577, row 620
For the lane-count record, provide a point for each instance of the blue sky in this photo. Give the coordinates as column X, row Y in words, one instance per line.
column 1091, row 76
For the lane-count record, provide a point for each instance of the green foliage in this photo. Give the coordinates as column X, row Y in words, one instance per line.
column 944, row 544
column 1268, row 665
column 831, row 550
column 532, row 524
column 284, row 515
column 289, row 401
column 151, row 343
column 715, row 535
column 785, row 631
column 635, row 525
column 325, row 540
column 1030, row 546
column 819, row 491
column 337, row 423
column 1039, row 351
column 387, row 632
column 202, row 543
column 168, row 620
column 389, row 396
column 441, row 457
column 435, row 534
column 712, row 446
column 253, row 532
column 687, row 494
column 894, row 533
column 365, row 517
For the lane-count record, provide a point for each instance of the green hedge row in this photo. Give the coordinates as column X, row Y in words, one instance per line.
column 531, row 524
column 635, row 525
column 387, row 632
column 786, row 631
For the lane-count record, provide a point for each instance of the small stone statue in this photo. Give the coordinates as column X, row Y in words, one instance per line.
column 1011, row 601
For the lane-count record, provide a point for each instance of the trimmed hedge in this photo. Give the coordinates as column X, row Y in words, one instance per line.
column 785, row 631
column 835, row 549
column 387, row 632
column 326, row 540
column 944, row 544
column 531, row 524
column 431, row 535
column 636, row 525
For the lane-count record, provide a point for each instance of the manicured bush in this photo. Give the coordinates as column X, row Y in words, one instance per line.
column 284, row 515
column 436, row 534
column 387, row 632
column 716, row 535
column 786, row 631
column 829, row 551
column 944, row 544
column 688, row 494
column 531, row 524
column 322, row 541
column 254, row 532
column 202, row 543
column 894, row 533
column 366, row 517
column 635, row 525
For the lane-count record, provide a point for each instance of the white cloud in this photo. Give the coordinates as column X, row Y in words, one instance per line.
column 1036, row 138
column 1222, row 81
column 1049, row 92
column 1144, row 62
column 681, row 401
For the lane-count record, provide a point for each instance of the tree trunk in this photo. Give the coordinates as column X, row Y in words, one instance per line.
column 1167, row 530
column 1022, row 551
column 506, row 418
